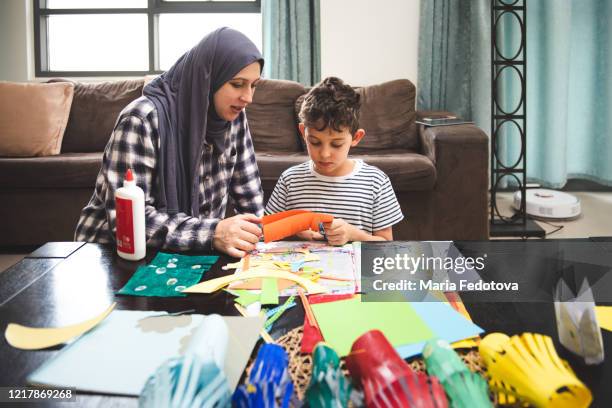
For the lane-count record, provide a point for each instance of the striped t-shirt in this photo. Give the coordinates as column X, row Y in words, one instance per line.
column 363, row 198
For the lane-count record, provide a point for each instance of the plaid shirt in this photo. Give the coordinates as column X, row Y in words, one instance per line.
column 135, row 144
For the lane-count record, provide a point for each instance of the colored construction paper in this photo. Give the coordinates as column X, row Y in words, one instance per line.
column 213, row 285
column 604, row 317
column 445, row 323
column 119, row 355
column 311, row 334
column 247, row 298
column 269, row 291
column 285, row 224
column 34, row 338
column 342, row 322
column 168, row 275
column 183, row 261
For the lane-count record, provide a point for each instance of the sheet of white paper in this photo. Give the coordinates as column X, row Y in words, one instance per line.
column 339, row 262
column 119, row 355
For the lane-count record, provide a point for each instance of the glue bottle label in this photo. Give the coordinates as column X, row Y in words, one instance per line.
column 125, row 225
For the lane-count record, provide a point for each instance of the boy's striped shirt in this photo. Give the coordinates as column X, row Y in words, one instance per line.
column 363, row 198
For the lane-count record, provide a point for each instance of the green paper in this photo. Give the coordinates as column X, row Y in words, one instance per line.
column 184, row 261
column 342, row 322
column 246, row 298
column 168, row 275
column 269, row 291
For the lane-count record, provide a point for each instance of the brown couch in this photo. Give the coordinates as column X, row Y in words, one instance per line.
column 439, row 174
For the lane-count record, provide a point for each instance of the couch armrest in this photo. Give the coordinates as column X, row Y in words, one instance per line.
column 461, row 156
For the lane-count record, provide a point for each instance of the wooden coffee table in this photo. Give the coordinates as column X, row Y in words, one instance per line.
column 64, row 283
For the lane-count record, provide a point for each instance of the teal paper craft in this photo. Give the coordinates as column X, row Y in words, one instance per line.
column 168, row 275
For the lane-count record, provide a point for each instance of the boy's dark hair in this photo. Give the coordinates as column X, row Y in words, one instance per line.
column 331, row 103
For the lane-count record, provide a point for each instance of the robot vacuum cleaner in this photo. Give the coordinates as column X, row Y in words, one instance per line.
column 549, row 204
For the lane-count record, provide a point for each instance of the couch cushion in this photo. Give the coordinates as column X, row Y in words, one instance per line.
column 271, row 116
column 33, row 118
column 65, row 171
column 94, row 112
column 407, row 170
column 388, row 115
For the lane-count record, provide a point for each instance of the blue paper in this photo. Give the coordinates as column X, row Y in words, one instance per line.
column 444, row 321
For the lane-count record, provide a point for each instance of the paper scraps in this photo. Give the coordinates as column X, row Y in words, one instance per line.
column 33, row 338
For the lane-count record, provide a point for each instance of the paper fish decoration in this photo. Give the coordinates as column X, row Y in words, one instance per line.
column 196, row 379
column 387, row 380
column 328, row 387
column 577, row 323
column 464, row 388
column 287, row 223
column 527, row 368
column 269, row 384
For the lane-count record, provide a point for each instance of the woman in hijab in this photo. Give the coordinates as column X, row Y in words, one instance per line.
column 188, row 144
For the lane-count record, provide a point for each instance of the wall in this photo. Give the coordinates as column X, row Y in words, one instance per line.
column 15, row 40
column 363, row 41
column 369, row 41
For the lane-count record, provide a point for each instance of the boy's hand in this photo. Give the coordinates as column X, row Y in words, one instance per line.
column 309, row 235
column 339, row 232
column 237, row 235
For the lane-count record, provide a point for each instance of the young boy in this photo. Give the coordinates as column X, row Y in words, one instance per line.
column 359, row 196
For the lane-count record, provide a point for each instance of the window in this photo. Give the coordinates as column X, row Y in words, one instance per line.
column 130, row 37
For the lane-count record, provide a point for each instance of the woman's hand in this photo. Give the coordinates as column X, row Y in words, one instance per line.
column 237, row 235
column 339, row 232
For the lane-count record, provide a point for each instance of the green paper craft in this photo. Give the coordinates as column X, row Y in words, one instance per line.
column 168, row 275
column 464, row 388
column 343, row 321
column 269, row 291
column 328, row 387
column 184, row 261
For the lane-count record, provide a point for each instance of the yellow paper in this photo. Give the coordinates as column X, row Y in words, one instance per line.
column 213, row 285
column 604, row 317
column 34, row 338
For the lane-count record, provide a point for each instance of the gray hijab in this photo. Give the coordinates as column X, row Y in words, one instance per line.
column 183, row 97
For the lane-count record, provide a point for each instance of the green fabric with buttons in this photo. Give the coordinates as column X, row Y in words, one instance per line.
column 168, row 275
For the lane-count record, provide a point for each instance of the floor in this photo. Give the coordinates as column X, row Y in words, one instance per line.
column 596, row 220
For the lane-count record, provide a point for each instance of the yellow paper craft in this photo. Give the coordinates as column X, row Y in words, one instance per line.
column 34, row 338
column 604, row 317
column 213, row 285
column 527, row 368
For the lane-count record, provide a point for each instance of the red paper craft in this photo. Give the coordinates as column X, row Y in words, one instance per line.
column 287, row 223
column 312, row 335
column 387, row 380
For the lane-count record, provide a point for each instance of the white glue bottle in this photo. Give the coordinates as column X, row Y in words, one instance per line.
column 130, row 220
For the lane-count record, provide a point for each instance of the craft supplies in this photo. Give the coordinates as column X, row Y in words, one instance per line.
column 464, row 388
column 527, row 368
column 34, row 338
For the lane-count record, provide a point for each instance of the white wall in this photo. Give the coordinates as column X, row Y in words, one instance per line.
column 366, row 42
column 16, row 40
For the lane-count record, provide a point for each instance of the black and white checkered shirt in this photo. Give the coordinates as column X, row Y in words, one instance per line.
column 134, row 144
